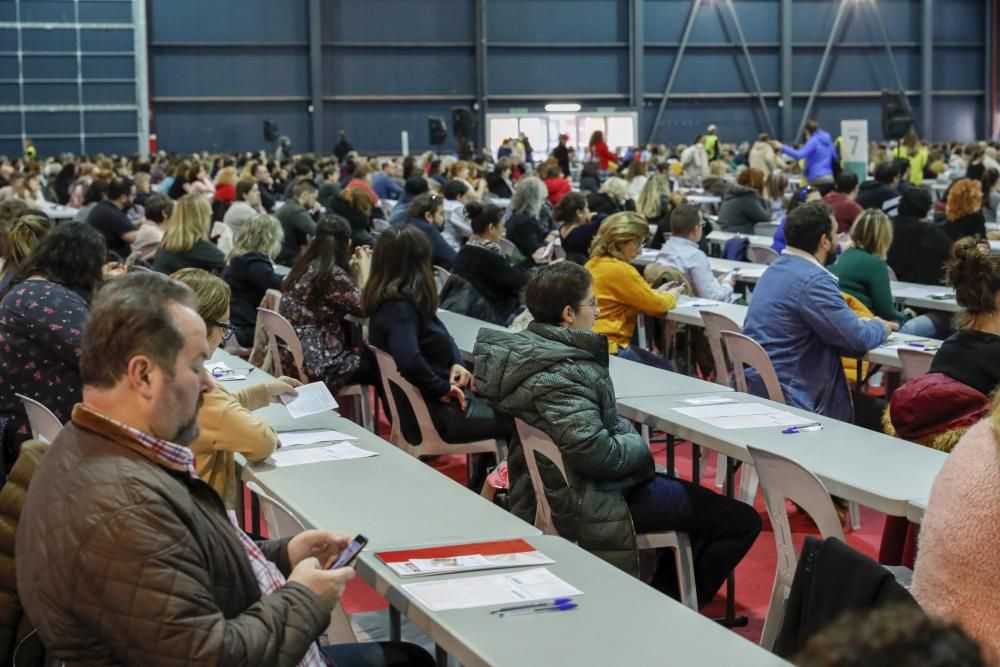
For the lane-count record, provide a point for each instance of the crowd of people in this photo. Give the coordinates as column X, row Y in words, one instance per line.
column 107, row 319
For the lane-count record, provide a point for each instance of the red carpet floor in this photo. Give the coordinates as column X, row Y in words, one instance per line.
column 754, row 576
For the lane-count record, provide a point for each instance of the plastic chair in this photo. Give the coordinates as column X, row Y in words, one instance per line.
column 277, row 327
column 765, row 229
column 506, row 247
column 281, row 522
column 537, row 443
column 431, row 443
column 715, row 324
column 780, row 479
column 441, row 276
column 915, row 363
column 761, row 254
column 44, row 425
column 742, row 351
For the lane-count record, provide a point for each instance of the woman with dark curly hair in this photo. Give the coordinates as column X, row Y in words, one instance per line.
column 42, row 317
column 965, row 210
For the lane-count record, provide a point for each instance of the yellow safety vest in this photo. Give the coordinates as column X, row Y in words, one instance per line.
column 918, row 162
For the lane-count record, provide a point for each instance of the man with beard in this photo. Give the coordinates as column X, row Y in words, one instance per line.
column 125, row 556
column 802, row 321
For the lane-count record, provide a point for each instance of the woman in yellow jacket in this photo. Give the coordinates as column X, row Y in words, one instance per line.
column 620, row 291
column 225, row 420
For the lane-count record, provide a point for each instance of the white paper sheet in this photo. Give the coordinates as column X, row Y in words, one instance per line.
column 338, row 452
column 494, row 589
column 313, row 398
column 709, row 400
column 743, row 415
column 294, row 438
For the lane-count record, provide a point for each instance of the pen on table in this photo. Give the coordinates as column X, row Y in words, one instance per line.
column 540, row 610
column 557, row 601
column 815, row 426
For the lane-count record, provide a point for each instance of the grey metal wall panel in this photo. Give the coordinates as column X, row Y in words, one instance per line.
column 539, row 71
column 197, row 21
column 224, row 127
column 234, row 72
column 400, row 21
column 726, row 64
column 541, row 21
column 398, row 71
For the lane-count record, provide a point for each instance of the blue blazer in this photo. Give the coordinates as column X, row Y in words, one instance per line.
column 801, row 319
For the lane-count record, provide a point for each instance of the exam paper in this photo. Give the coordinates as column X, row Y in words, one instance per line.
column 338, row 452
column 294, row 438
column 452, row 564
column 313, row 398
column 494, row 589
column 709, row 400
column 743, row 415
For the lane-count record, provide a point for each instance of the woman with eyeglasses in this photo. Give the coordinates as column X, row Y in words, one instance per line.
column 620, row 292
column 227, row 425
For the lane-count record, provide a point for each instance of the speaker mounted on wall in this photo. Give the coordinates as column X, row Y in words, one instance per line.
column 437, row 130
column 897, row 118
column 270, row 131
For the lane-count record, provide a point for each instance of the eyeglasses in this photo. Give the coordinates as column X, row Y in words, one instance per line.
column 222, row 372
column 592, row 304
column 227, row 329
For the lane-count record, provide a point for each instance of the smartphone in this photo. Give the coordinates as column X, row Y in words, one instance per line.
column 350, row 553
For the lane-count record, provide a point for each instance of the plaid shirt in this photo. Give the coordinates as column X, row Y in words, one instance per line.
column 178, row 458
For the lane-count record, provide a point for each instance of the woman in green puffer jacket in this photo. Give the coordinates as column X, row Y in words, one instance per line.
column 554, row 376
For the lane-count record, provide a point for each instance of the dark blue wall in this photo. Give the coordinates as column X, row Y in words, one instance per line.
column 218, row 69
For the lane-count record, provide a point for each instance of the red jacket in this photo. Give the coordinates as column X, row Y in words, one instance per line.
column 934, row 403
column 844, row 208
column 226, row 192
column 361, row 185
column 558, row 188
column 600, row 151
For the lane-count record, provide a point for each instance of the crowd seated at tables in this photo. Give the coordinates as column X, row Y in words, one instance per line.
column 109, row 308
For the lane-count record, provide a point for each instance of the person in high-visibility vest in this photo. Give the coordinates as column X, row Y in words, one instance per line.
column 30, row 152
column 712, row 143
column 911, row 149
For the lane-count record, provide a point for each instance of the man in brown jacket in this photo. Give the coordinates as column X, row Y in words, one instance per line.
column 123, row 555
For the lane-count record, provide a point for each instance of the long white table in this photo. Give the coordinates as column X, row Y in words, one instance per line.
column 432, row 510
column 619, row 621
column 628, row 377
column 916, row 508
column 870, row 468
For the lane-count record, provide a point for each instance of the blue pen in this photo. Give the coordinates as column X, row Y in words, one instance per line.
column 815, row 426
column 554, row 603
column 539, row 610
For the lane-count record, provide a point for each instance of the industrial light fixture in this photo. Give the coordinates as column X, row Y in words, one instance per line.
column 562, row 108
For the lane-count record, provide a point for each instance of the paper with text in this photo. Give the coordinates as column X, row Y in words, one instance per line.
column 313, row 398
column 293, row 438
column 494, row 589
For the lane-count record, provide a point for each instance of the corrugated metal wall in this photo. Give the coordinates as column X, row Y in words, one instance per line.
column 68, row 76
column 219, row 68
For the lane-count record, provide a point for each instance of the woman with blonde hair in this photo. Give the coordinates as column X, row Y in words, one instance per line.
column 226, row 423
column 636, row 178
column 225, row 184
column 185, row 241
column 611, row 198
column 965, row 210
column 862, row 269
column 620, row 292
column 21, row 236
column 250, row 272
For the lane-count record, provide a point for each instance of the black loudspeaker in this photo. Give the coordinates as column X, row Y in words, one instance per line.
column 897, row 119
column 270, row 131
column 437, row 131
column 463, row 123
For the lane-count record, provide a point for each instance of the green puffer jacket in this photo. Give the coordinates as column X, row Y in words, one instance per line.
column 556, row 379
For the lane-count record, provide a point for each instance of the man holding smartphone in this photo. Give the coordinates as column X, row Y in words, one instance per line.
column 125, row 556
column 682, row 252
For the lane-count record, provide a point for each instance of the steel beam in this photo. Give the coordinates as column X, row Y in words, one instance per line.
column 481, row 100
column 988, row 74
column 695, row 4
column 753, row 70
column 841, row 10
column 141, row 42
column 927, row 68
column 316, row 73
column 786, row 71
column 636, row 53
column 888, row 46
